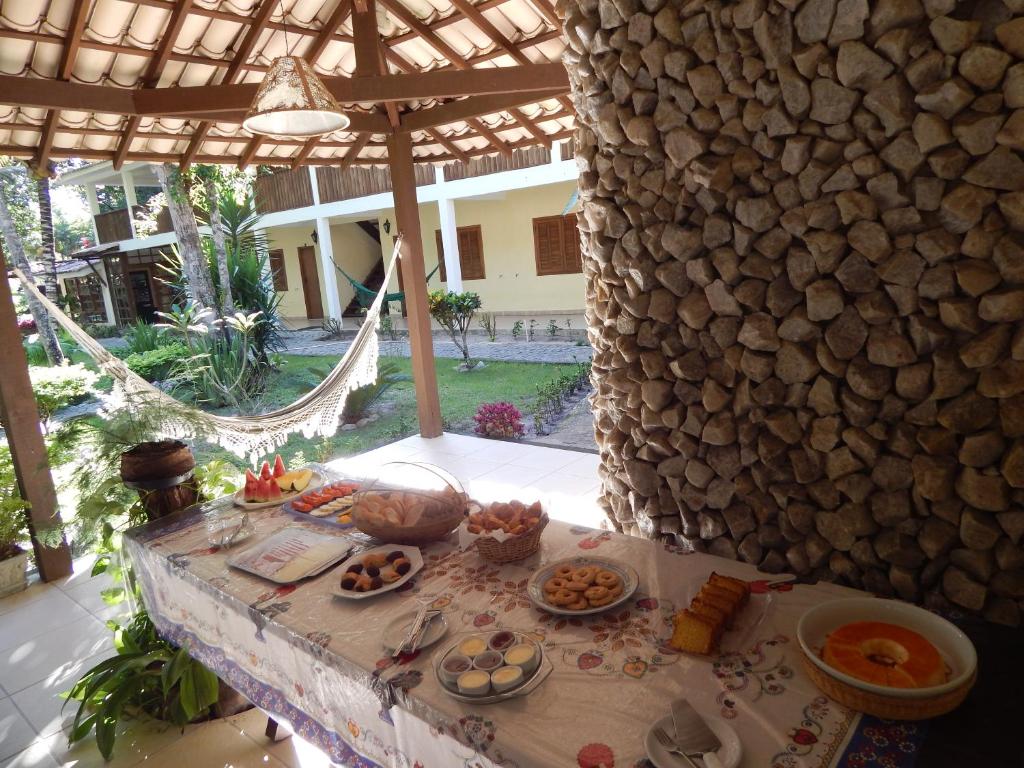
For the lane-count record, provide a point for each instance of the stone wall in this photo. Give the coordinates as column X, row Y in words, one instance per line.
column 804, row 228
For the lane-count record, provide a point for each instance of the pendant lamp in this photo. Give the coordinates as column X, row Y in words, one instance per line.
column 292, row 101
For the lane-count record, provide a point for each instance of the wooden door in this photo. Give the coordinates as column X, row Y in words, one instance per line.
column 310, row 282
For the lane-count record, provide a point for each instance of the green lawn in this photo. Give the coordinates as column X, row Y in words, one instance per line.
column 460, row 393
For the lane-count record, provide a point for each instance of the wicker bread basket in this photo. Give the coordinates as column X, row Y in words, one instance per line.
column 888, row 707
column 513, row 548
column 440, row 511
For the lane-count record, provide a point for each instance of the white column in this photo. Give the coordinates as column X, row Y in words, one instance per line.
column 325, row 247
column 94, row 209
column 107, row 290
column 556, row 152
column 449, row 235
column 130, row 198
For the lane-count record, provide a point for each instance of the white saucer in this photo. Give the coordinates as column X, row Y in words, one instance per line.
column 728, row 754
column 398, row 630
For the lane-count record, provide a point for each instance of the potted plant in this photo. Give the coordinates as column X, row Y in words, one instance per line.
column 13, row 559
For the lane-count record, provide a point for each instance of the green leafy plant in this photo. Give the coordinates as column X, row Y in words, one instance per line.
column 141, row 336
column 59, row 386
column 12, row 508
column 102, row 330
column 157, row 364
column 490, row 324
column 331, row 326
column 148, row 674
column 387, row 327
column 454, row 312
column 553, row 328
column 517, row 329
column 35, row 354
column 359, row 401
column 532, row 330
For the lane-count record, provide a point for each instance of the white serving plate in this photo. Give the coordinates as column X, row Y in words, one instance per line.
column 535, row 678
column 281, row 545
column 315, row 482
column 728, row 754
column 415, row 559
column 535, row 586
column 953, row 645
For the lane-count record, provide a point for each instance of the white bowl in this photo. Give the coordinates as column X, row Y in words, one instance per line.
column 953, row 645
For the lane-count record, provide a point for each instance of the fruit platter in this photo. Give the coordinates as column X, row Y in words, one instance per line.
column 274, row 486
column 330, row 504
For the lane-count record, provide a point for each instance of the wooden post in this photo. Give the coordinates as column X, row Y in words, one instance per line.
column 414, row 278
column 20, row 419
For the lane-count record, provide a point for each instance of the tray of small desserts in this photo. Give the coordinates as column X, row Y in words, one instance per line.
column 378, row 570
column 488, row 667
column 582, row 586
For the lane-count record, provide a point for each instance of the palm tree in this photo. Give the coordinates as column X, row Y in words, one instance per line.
column 16, row 251
column 47, row 257
column 193, row 260
column 210, row 178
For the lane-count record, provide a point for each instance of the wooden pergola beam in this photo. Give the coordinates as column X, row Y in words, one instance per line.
column 251, row 149
column 326, row 34
column 414, row 279
column 353, row 152
column 474, row 106
column 303, row 153
column 20, row 421
column 453, row 148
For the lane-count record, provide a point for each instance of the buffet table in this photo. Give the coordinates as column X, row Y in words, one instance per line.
column 317, row 662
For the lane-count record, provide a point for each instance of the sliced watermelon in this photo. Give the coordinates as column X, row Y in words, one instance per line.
column 265, row 472
column 250, row 487
column 263, row 489
column 273, row 490
column 279, row 466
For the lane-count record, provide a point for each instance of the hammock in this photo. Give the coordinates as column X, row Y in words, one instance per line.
column 365, row 296
column 316, row 413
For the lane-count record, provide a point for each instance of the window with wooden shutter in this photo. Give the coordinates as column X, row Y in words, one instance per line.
column 277, row 270
column 556, row 243
column 471, row 252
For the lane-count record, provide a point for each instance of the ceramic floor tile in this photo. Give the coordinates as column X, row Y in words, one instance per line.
column 80, row 573
column 293, row 751
column 36, row 590
column 138, row 742
column 584, row 465
column 35, row 755
column 532, row 456
column 39, row 657
column 562, row 484
column 52, row 611
column 508, row 482
column 218, row 744
column 16, row 732
column 42, row 703
column 499, row 450
column 89, row 595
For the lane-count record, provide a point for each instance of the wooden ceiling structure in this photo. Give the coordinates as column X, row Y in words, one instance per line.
column 170, row 80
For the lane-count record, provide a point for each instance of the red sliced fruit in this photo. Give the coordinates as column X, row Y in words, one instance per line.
column 250, row 488
column 265, row 472
column 301, row 507
column 263, row 489
column 273, row 491
column 278, row 466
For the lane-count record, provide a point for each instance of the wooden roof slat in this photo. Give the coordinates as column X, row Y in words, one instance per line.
column 251, row 149
column 303, row 153
column 337, row 17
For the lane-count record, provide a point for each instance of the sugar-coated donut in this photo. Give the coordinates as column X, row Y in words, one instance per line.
column 596, row 593
column 564, row 572
column 577, row 586
column 562, row 597
column 606, row 579
column 579, row 605
column 602, row 601
column 586, row 574
column 555, row 584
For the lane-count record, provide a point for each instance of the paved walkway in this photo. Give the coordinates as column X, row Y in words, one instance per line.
column 575, row 430
column 307, row 343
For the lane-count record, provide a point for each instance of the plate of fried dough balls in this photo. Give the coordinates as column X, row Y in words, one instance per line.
column 582, row 586
column 378, row 570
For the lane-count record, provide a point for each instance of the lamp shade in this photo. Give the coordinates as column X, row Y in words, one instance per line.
column 292, row 101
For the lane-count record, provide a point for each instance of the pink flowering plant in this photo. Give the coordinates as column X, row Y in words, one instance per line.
column 26, row 324
column 499, row 420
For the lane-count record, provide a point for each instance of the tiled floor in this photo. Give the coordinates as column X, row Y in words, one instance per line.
column 51, row 633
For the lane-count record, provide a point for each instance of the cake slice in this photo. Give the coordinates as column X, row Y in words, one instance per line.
column 693, row 633
column 737, row 586
column 710, row 611
column 722, row 599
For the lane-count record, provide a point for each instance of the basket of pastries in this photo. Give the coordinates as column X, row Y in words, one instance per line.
column 504, row 532
column 411, row 503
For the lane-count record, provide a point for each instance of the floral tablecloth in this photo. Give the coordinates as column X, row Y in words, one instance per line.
column 315, row 661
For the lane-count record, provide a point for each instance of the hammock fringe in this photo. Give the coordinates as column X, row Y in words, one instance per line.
column 318, row 412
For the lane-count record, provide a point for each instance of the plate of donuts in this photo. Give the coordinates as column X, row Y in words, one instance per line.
column 378, row 570
column 582, row 586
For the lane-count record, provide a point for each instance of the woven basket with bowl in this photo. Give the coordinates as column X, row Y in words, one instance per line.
column 431, row 506
column 512, row 546
column 954, row 648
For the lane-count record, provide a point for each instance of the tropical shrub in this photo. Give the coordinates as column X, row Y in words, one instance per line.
column 12, row 507
column 517, row 329
column 147, row 674
column 454, row 312
column 490, row 324
column 499, row 420
column 36, row 354
column 141, row 336
column 59, row 386
column 102, row 330
column 26, row 324
column 359, row 401
column 552, row 328
column 157, row 364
